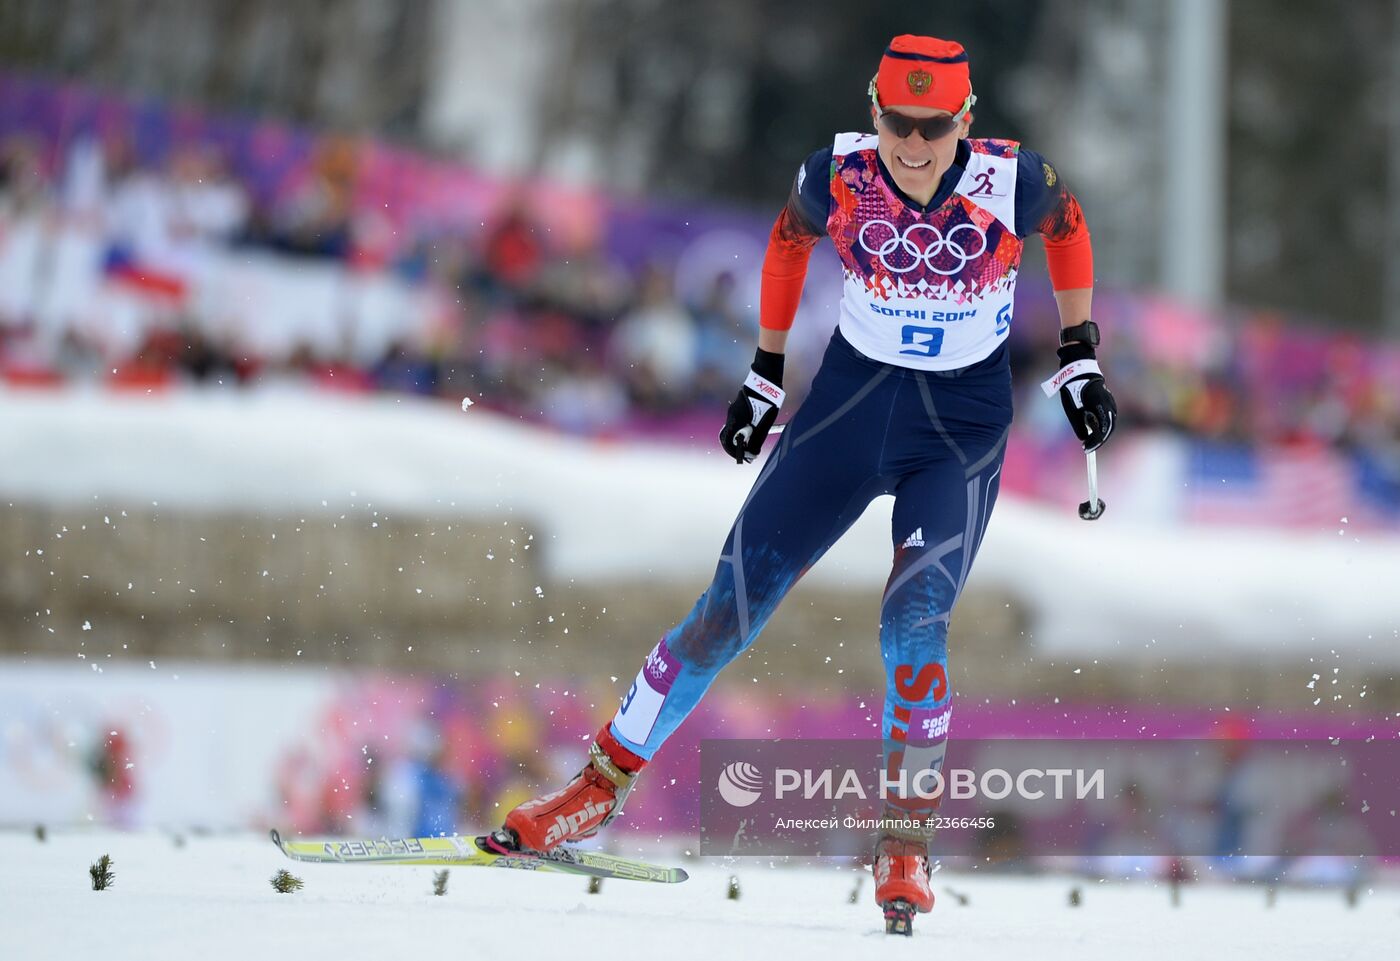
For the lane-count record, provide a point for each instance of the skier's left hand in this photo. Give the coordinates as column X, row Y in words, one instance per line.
column 1085, row 397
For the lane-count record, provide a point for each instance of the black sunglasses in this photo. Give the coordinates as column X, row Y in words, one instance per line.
column 931, row 128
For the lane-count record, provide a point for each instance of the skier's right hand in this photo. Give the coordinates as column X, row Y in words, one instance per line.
column 754, row 409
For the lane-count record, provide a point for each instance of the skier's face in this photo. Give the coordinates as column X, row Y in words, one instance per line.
column 917, row 164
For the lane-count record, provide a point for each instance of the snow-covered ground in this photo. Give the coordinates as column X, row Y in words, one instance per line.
column 210, row 900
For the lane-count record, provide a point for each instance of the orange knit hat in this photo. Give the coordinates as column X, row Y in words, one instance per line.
column 923, row 72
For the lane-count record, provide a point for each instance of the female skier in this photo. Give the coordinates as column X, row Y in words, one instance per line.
column 913, row 398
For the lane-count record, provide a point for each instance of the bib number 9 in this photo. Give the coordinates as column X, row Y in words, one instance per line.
column 921, row 341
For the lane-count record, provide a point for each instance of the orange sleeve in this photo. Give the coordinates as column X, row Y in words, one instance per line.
column 1068, row 252
column 790, row 246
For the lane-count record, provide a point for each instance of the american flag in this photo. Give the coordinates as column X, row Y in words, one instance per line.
column 1274, row 487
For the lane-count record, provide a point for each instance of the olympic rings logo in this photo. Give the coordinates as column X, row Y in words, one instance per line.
column 941, row 246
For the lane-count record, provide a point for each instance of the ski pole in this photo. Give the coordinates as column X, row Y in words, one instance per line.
column 743, row 434
column 1092, row 509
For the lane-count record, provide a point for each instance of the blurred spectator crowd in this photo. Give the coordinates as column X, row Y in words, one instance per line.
column 133, row 276
column 154, row 267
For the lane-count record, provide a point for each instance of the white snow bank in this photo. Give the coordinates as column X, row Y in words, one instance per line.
column 609, row 511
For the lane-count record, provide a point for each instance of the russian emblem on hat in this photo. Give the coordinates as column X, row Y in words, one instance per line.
column 923, row 71
column 919, row 81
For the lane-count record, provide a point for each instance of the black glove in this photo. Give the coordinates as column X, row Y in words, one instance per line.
column 1088, row 404
column 754, row 410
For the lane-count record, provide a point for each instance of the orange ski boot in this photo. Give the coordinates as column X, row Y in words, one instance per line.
column 901, row 882
column 588, row 802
